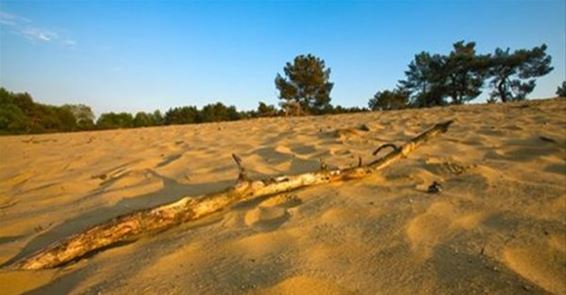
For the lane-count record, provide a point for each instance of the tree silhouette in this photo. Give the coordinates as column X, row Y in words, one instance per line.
column 218, row 112
column 432, row 79
column 143, row 119
column 464, row 72
column 20, row 114
column 306, row 83
column 561, row 91
column 181, row 115
column 513, row 74
column 83, row 115
column 115, row 120
column 157, row 118
column 265, row 110
column 389, row 100
column 424, row 81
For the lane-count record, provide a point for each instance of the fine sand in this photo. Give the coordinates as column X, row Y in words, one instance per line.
column 497, row 227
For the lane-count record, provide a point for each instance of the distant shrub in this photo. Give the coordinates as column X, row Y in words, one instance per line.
column 181, row 115
column 389, row 100
column 265, row 110
column 561, row 91
column 143, row 120
column 83, row 115
column 115, row 120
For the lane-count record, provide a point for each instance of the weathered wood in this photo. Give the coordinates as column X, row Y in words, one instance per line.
column 132, row 226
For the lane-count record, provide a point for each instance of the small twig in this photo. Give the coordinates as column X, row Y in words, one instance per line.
column 394, row 147
column 359, row 161
column 242, row 175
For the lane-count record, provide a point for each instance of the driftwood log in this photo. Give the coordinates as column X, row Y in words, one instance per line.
column 132, row 226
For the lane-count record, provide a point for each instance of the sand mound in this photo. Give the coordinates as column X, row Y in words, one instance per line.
column 542, row 265
column 306, row 285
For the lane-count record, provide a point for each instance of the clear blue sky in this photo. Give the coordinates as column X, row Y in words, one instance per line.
column 140, row 55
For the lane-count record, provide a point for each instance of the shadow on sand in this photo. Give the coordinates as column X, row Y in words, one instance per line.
column 171, row 191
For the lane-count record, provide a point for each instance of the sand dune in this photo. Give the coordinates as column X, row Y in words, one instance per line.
column 497, row 227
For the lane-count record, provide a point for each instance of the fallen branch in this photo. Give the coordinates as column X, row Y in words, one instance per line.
column 132, row 226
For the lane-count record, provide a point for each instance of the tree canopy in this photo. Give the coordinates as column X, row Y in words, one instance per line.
column 513, row 74
column 115, row 120
column 423, row 80
column 20, row 114
column 84, row 117
column 456, row 78
column 389, row 100
column 434, row 78
column 306, row 83
column 265, row 110
column 464, row 72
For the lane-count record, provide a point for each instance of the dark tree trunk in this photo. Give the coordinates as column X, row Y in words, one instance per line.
column 502, row 92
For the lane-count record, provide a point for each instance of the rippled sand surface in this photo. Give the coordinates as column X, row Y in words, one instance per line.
column 498, row 226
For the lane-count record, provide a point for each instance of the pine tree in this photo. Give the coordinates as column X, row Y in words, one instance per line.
column 513, row 74
column 306, row 83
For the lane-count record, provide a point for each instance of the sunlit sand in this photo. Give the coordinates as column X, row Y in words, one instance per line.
column 497, row 225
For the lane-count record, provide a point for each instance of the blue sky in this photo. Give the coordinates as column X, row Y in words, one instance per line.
column 146, row 55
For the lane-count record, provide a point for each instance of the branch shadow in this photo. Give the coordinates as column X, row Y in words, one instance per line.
column 171, row 191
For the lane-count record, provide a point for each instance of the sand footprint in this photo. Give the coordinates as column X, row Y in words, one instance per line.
column 447, row 167
column 271, row 213
column 438, row 223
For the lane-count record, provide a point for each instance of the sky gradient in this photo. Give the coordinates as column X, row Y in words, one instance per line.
column 141, row 56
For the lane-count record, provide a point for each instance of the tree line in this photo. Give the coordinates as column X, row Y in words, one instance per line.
column 304, row 89
column 19, row 114
column 461, row 75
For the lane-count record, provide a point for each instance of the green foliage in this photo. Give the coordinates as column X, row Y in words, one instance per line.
column 434, row 79
column 306, row 83
column 115, row 120
column 561, row 91
column 513, row 74
column 143, row 119
column 338, row 109
column 265, row 110
column 182, row 115
column 423, row 81
column 218, row 112
column 158, row 118
column 389, row 100
column 210, row 113
column 464, row 72
column 20, row 114
column 61, row 119
column 12, row 119
column 83, row 115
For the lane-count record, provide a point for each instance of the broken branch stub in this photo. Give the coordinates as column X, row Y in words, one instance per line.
column 132, row 226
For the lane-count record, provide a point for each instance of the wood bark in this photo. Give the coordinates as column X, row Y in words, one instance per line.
column 132, row 226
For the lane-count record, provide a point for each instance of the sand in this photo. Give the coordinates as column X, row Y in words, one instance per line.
column 498, row 226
